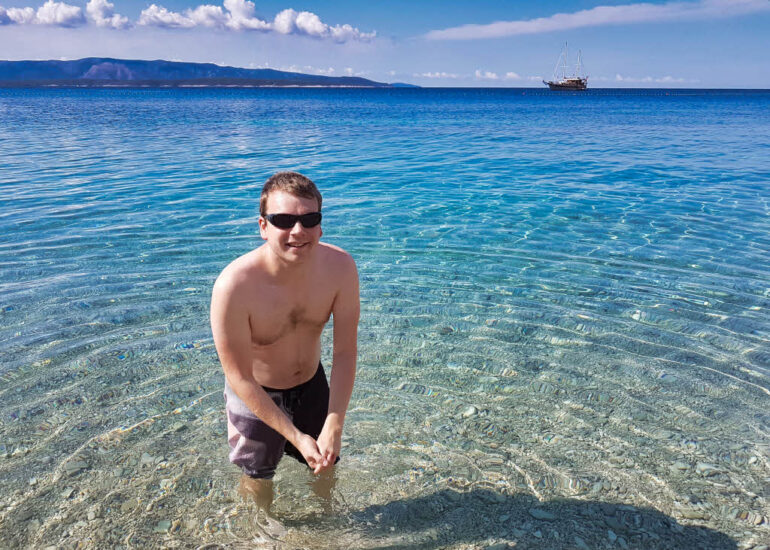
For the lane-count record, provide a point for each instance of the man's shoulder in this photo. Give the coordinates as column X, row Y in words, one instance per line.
column 336, row 257
column 238, row 273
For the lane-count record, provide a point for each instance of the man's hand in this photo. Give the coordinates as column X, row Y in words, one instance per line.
column 329, row 443
column 309, row 449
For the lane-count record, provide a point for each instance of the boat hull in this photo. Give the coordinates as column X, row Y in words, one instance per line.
column 569, row 85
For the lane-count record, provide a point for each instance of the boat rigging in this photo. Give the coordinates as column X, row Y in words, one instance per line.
column 561, row 80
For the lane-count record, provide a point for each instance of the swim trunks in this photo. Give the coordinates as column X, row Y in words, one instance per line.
column 256, row 447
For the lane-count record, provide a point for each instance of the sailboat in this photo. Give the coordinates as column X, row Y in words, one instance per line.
column 561, row 80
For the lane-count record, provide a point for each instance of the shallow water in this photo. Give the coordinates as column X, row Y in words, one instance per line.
column 564, row 336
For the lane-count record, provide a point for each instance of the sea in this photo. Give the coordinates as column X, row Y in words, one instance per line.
column 565, row 316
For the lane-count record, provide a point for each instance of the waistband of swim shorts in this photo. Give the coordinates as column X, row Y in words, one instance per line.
column 319, row 372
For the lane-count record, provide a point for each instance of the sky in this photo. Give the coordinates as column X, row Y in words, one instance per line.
column 480, row 43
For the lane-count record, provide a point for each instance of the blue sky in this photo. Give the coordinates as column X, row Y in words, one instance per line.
column 688, row 43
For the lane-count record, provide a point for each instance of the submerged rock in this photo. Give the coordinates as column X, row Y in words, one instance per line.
column 692, row 513
column 162, row 526
column 537, row 513
column 705, row 469
column 75, row 466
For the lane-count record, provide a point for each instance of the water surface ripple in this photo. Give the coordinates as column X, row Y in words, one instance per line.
column 564, row 342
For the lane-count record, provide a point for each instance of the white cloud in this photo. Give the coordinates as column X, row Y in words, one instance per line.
column 344, row 33
column 102, row 13
column 306, row 23
column 621, row 78
column 486, row 75
column 284, row 22
column 671, row 79
column 648, row 80
column 434, row 75
column 21, row 16
column 605, row 15
column 310, row 23
column 349, row 71
column 306, row 69
column 234, row 15
column 59, row 14
column 158, row 16
column 239, row 15
column 51, row 13
column 207, row 16
column 477, row 75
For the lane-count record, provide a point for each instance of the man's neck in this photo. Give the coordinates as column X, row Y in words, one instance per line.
column 282, row 271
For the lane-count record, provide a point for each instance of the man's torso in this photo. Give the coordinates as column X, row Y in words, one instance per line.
column 286, row 319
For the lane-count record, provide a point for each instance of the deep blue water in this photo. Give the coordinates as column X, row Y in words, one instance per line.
column 569, row 288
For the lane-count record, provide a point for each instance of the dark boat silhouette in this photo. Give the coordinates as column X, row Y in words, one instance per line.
column 562, row 80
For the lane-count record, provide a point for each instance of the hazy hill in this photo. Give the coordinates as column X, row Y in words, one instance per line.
column 104, row 71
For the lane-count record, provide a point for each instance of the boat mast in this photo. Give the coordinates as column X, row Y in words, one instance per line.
column 579, row 67
column 567, row 80
column 556, row 68
column 566, row 58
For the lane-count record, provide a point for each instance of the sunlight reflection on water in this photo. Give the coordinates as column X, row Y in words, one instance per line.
column 561, row 335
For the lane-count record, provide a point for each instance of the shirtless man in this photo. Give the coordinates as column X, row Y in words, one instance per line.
column 268, row 309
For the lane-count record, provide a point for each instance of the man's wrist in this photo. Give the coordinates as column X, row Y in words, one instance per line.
column 334, row 423
column 294, row 436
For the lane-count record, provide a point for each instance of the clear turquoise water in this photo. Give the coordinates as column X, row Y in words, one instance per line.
column 564, row 307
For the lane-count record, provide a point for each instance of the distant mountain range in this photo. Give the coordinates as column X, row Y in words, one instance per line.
column 105, row 71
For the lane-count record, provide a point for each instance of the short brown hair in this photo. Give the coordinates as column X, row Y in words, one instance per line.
column 290, row 182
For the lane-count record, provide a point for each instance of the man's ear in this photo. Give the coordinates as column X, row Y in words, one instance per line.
column 262, row 228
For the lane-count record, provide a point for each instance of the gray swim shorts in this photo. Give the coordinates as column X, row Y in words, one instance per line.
column 256, row 447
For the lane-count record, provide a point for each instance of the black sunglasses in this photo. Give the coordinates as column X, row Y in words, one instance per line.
column 287, row 221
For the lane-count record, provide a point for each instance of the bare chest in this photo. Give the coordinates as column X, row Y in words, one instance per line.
column 277, row 315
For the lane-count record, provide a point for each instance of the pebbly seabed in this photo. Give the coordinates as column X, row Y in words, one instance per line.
column 564, row 339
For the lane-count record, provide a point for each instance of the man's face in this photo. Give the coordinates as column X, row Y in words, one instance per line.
column 294, row 244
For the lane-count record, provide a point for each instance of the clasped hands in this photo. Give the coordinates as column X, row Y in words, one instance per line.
column 321, row 454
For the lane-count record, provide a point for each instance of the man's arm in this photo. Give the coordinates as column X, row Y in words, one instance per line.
column 346, row 311
column 232, row 337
